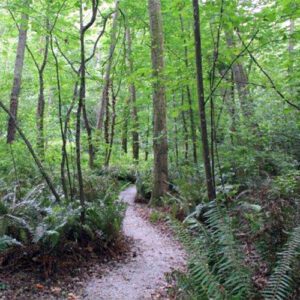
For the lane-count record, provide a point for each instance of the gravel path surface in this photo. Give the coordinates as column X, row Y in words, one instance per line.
column 156, row 254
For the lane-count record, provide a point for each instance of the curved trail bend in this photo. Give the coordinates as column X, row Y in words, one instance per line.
column 138, row 279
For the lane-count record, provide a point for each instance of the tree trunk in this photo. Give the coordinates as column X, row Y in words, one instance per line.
column 88, row 129
column 113, row 125
column 160, row 142
column 40, row 118
column 176, row 134
column 105, row 90
column 200, row 88
column 125, row 127
column 81, row 101
column 40, row 112
column 228, row 96
column 185, row 130
column 189, row 96
column 132, row 91
column 16, row 88
column 242, row 83
column 147, row 136
column 106, row 129
column 60, row 120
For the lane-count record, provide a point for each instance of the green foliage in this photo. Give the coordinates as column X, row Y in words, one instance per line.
column 156, row 216
column 144, row 182
column 6, row 242
column 288, row 185
column 38, row 220
column 281, row 284
column 105, row 217
column 256, row 151
column 216, row 268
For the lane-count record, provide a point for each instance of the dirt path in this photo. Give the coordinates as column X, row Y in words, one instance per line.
column 156, row 254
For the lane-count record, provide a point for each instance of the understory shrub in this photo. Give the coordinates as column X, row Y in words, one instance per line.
column 37, row 222
column 216, row 266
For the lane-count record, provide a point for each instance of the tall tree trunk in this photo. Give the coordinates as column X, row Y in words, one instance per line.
column 81, row 100
column 160, row 142
column 185, row 130
column 105, row 90
column 147, row 136
column 200, row 88
column 189, row 96
column 228, row 96
column 192, row 124
column 106, row 128
column 125, row 135
column 113, row 124
column 60, row 120
column 242, row 83
column 40, row 112
column 176, row 134
column 88, row 129
column 132, row 91
column 40, row 118
column 16, row 88
column 126, row 113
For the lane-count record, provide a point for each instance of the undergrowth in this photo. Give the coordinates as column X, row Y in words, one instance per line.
column 37, row 228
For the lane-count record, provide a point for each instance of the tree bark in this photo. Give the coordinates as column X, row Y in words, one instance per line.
column 228, row 96
column 113, row 125
column 147, row 136
column 60, row 120
column 106, row 128
column 160, row 142
column 200, row 88
column 125, row 133
column 242, row 83
column 81, row 100
column 185, row 130
column 189, row 96
column 16, row 88
column 105, row 90
column 132, row 92
column 176, row 134
column 40, row 112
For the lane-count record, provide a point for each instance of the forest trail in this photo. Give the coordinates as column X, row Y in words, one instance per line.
column 156, row 254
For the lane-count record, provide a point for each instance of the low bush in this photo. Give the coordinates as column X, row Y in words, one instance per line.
column 44, row 227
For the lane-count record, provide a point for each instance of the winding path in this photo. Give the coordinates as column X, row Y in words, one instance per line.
column 156, row 254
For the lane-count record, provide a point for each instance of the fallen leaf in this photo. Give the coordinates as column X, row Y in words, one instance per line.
column 39, row 286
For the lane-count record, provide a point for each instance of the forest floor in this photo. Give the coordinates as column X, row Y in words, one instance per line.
column 155, row 253
column 141, row 269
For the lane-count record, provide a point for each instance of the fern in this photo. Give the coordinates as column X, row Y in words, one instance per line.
column 203, row 281
column 280, row 284
column 216, row 267
column 7, row 241
column 230, row 264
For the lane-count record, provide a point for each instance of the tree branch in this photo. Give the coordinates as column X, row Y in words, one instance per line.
column 33, row 154
column 267, row 75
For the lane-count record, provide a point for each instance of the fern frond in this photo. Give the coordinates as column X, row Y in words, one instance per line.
column 7, row 241
column 230, row 264
column 203, row 280
column 280, row 284
column 216, row 269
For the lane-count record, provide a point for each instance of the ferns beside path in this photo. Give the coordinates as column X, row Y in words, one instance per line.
column 217, row 269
